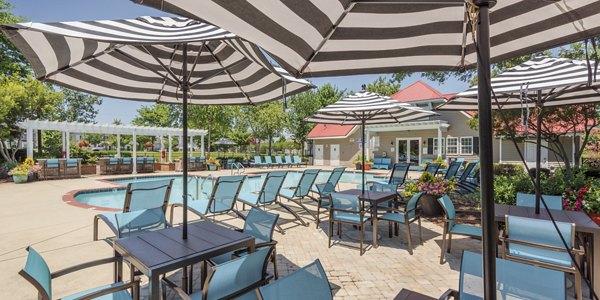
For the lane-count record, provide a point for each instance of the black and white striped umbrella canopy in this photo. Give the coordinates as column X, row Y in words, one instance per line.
column 129, row 59
column 347, row 37
column 560, row 81
column 369, row 107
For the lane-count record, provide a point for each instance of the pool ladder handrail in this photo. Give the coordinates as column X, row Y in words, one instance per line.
column 239, row 168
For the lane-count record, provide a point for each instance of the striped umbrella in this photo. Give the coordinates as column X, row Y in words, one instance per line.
column 159, row 59
column 364, row 108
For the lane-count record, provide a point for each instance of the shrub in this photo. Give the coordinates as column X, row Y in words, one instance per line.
column 507, row 187
column 5, row 167
column 544, row 172
column 508, row 169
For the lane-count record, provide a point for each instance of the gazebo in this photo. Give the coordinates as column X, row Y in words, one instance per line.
column 67, row 128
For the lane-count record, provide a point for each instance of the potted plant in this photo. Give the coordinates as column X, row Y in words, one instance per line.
column 213, row 164
column 358, row 162
column 21, row 173
column 368, row 164
column 585, row 199
column 432, row 188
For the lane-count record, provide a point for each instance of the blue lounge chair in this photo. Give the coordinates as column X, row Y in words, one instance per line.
column 537, row 242
column 279, row 161
column 309, row 282
column 432, row 168
column 140, row 164
column 236, row 278
column 37, row 272
column 465, row 183
column 452, row 170
column 382, row 163
column 126, row 165
column 299, row 161
column 138, row 196
column 259, row 224
column 407, row 216
column 301, row 191
column 528, row 200
column 257, row 162
column 323, row 190
column 454, row 225
column 347, row 209
column 268, row 161
column 395, row 182
column 230, row 162
column 51, row 166
column 289, row 162
column 221, row 200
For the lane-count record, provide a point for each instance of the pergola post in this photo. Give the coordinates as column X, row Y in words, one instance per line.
column 64, row 144
column 162, row 148
column 170, row 149
column 191, row 145
column 134, row 153
column 439, row 140
column 500, row 150
column 68, row 144
column 118, row 145
column 29, row 142
column 202, row 146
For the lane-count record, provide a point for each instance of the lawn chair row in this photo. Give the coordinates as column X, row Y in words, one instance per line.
column 60, row 168
column 279, row 162
column 114, row 165
column 194, row 164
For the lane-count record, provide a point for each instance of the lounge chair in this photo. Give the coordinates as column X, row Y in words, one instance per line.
column 537, row 242
column 126, row 165
column 202, row 163
column 396, row 180
column 149, row 164
column 452, row 170
column 37, row 272
column 221, row 200
column 432, row 168
column 289, row 162
column 528, row 200
column 231, row 279
column 139, row 196
column 140, row 164
column 279, row 161
column 324, row 189
column 268, row 161
column 72, row 167
column 300, row 191
column 308, row 282
column 382, row 163
column 407, row 216
column 468, row 182
column 51, row 168
column 299, row 161
column 259, row 224
column 192, row 163
column 112, row 166
column 257, row 162
column 347, row 209
column 454, row 225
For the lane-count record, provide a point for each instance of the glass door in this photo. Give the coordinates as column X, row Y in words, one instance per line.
column 409, row 151
column 413, row 156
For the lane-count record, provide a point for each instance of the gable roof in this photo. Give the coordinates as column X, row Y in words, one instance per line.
column 330, row 131
column 418, row 91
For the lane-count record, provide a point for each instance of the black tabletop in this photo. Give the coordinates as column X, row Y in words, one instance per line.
column 583, row 223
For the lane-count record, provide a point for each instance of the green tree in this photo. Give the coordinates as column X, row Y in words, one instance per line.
column 158, row 115
column 77, row 107
column 216, row 119
column 268, row 121
column 383, row 86
column 12, row 62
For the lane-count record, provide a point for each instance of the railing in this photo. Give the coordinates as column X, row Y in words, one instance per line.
column 237, row 168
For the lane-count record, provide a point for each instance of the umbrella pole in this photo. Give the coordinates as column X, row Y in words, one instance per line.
column 538, row 153
column 184, row 89
column 363, row 154
column 486, row 157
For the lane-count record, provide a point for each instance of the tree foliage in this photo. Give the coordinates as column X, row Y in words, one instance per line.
column 77, row 107
column 216, row 119
column 12, row 62
column 385, row 86
column 267, row 121
column 158, row 115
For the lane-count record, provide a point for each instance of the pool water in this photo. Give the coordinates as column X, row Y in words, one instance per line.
column 114, row 198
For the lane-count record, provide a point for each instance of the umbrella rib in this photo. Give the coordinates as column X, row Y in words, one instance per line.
column 109, row 49
column 217, row 72
column 197, row 58
column 229, row 74
column 327, row 37
column 168, row 69
column 146, row 66
column 162, row 89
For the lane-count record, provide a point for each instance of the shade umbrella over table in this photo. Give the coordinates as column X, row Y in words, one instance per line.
column 157, row 59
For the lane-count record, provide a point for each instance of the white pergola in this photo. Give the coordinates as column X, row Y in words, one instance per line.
column 67, row 128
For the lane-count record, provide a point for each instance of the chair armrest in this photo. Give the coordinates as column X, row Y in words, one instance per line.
column 348, row 210
column 84, row 265
column 449, row 294
column 257, row 246
column 135, row 285
column 180, row 292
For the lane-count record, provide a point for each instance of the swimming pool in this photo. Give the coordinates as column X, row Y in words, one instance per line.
column 114, row 198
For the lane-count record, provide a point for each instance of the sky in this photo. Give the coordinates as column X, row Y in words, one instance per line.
column 126, row 110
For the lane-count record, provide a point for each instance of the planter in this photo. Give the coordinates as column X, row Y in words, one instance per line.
column 430, row 206
column 20, row 178
column 88, row 169
column 595, row 217
column 358, row 166
column 367, row 167
column 164, row 166
column 212, row 167
column 33, row 177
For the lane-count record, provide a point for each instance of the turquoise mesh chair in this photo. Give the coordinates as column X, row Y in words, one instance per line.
column 453, row 169
column 301, row 191
column 149, row 165
column 268, row 161
column 261, row 225
column 72, row 167
column 433, row 168
column 112, row 166
column 289, row 161
column 279, row 161
column 397, row 178
column 51, row 168
column 238, row 278
column 36, row 271
column 126, row 165
column 528, row 200
column 299, row 161
column 309, row 282
column 221, row 200
column 323, row 190
column 347, row 209
column 407, row 216
column 454, row 225
column 140, row 221
column 138, row 196
column 535, row 241
column 140, row 164
column 257, row 162
column 268, row 193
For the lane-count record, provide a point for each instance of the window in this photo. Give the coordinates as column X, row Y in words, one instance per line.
column 466, row 145
column 451, row 145
column 435, row 146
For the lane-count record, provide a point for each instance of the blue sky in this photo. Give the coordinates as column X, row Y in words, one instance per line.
column 74, row 10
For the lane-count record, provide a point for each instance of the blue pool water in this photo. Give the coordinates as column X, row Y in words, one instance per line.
column 114, row 198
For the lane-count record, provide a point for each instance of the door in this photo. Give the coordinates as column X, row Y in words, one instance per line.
column 334, row 154
column 318, row 155
column 409, row 151
column 530, row 154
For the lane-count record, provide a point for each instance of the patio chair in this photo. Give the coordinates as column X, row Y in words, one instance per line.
column 37, row 272
column 537, row 242
column 230, row 162
column 257, row 162
column 454, row 225
column 279, row 161
column 465, row 183
column 192, row 163
column 528, row 200
column 452, row 170
column 202, row 163
column 259, row 224
column 289, row 162
column 138, row 196
column 268, row 161
column 396, row 180
column 221, row 200
column 433, row 168
column 347, row 209
column 112, row 166
column 324, row 189
column 149, row 164
column 300, row 192
column 308, row 282
column 268, row 192
column 140, row 221
column 236, row 278
column 299, row 161
column 72, row 167
column 126, row 165
column 407, row 216
column 51, row 168
column 140, row 164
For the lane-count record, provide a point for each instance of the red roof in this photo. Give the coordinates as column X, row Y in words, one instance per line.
column 419, row 91
column 330, row 131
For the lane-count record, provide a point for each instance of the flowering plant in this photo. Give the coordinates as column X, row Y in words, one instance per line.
column 586, row 198
column 214, row 161
column 430, row 185
column 28, row 168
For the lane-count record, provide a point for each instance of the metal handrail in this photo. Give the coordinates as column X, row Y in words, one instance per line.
column 239, row 168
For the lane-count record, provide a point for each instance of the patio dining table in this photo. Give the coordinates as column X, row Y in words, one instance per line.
column 583, row 224
column 162, row 251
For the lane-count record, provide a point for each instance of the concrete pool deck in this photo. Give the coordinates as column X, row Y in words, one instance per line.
column 35, row 214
